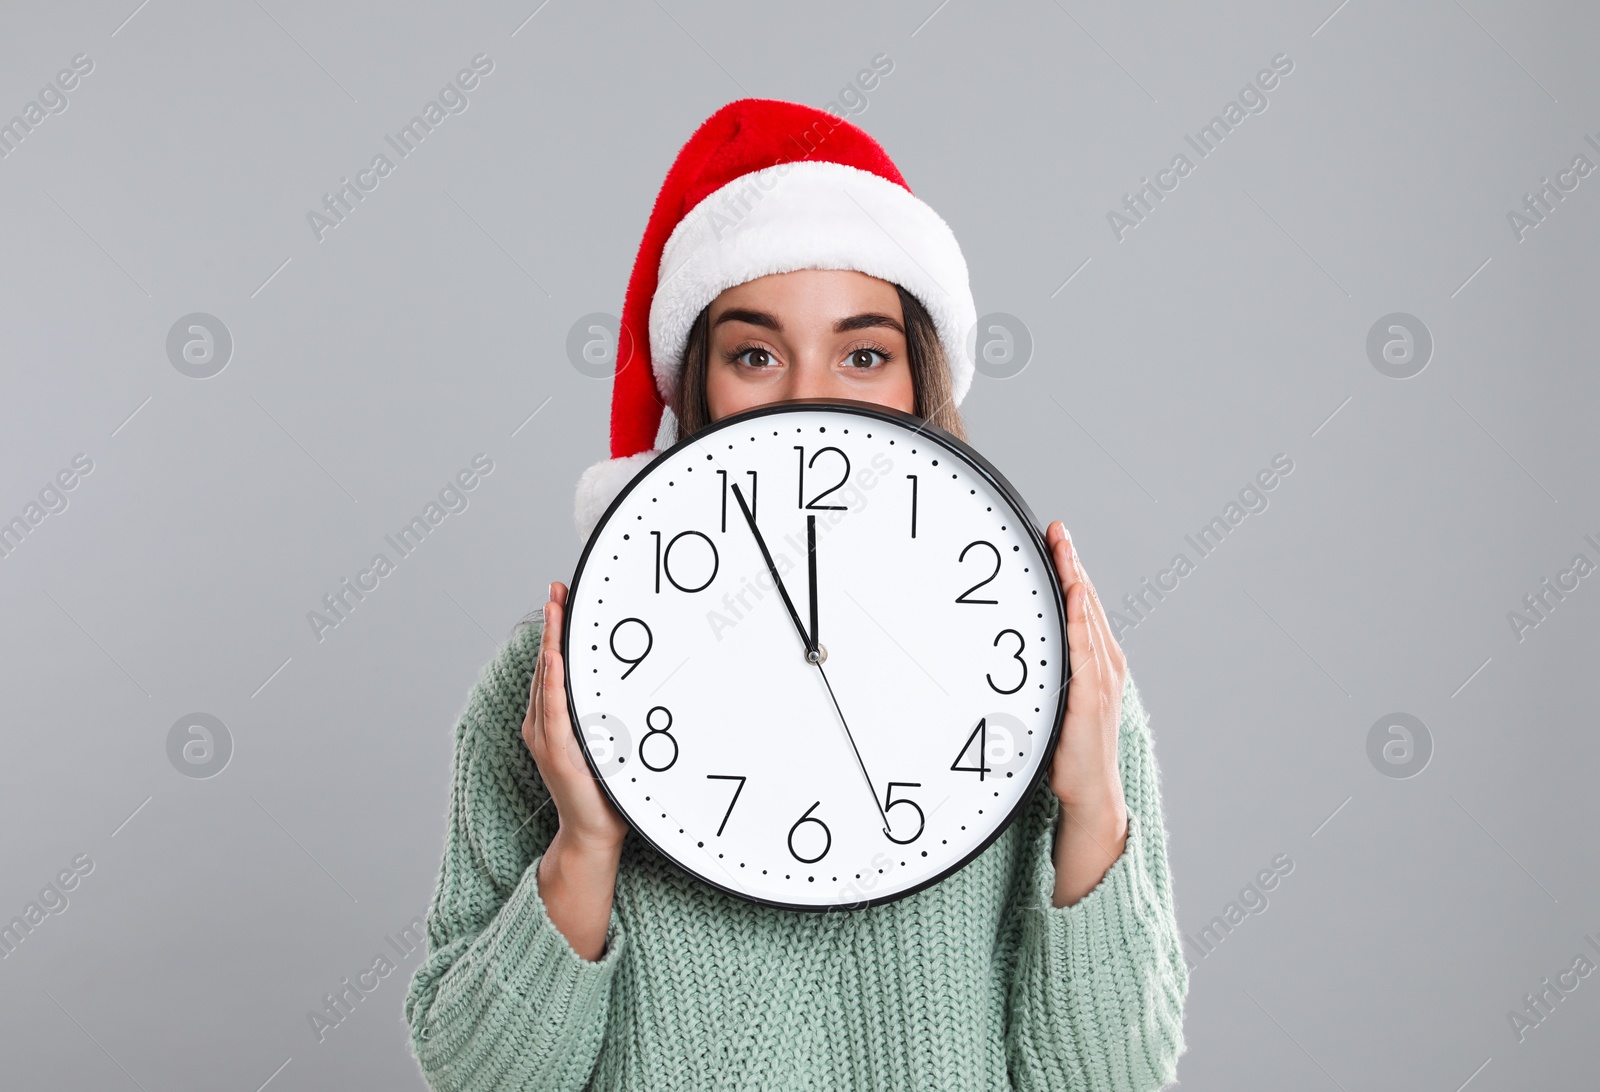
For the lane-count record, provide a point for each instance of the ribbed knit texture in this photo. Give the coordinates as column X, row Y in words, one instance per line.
column 977, row 982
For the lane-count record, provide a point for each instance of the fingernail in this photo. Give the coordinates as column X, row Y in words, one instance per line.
column 552, row 591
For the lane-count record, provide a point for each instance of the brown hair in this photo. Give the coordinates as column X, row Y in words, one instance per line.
column 930, row 372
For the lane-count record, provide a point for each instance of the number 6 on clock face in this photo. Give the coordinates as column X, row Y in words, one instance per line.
column 831, row 697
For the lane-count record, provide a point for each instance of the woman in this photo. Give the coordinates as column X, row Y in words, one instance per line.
column 785, row 258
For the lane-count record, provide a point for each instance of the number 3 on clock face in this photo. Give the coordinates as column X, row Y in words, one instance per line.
column 817, row 654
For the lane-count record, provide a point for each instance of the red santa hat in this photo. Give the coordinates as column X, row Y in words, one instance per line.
column 765, row 186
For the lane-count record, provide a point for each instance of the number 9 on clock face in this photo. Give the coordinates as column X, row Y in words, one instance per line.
column 817, row 653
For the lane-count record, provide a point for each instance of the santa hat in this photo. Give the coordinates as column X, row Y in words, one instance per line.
column 764, row 186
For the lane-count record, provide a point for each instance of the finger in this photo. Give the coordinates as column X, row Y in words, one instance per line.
column 1080, row 631
column 1069, row 576
column 553, row 697
column 557, row 722
column 1091, row 599
column 535, row 727
column 566, row 734
column 536, row 698
column 554, row 621
column 1105, row 643
column 1106, row 646
column 549, row 652
column 1095, row 672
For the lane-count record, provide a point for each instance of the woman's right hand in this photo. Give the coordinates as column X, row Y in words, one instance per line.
column 586, row 816
column 578, row 870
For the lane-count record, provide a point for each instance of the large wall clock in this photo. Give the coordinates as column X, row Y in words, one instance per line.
column 816, row 654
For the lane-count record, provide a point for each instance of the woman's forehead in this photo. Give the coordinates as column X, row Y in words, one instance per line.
column 833, row 293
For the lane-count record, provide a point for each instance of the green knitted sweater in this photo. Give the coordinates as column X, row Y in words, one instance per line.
column 976, row 982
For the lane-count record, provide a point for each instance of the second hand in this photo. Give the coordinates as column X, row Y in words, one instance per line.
column 857, row 750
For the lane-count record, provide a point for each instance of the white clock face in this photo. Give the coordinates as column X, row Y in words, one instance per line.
column 939, row 626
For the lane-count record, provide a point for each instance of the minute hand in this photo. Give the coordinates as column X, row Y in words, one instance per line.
column 773, row 569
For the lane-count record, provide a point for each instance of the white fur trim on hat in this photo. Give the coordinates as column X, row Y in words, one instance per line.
column 599, row 485
column 810, row 215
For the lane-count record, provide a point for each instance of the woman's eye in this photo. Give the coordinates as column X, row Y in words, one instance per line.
column 866, row 358
column 759, row 358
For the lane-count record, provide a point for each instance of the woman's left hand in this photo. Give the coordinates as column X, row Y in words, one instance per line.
column 1084, row 775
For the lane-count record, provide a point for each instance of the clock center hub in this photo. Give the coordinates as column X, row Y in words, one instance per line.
column 820, row 656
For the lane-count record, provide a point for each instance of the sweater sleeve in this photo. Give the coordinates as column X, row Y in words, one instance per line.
column 1097, row 990
column 501, row 1000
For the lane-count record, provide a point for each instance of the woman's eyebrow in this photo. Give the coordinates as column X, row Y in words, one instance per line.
column 865, row 321
column 769, row 321
column 754, row 318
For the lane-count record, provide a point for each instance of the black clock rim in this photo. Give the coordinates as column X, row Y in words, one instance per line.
column 995, row 478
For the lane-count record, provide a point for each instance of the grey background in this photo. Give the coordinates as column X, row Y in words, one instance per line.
column 1167, row 369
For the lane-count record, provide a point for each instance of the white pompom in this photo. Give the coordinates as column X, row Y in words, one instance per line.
column 599, row 485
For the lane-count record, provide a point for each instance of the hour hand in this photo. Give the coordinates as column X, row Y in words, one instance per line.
column 811, row 553
column 766, row 555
